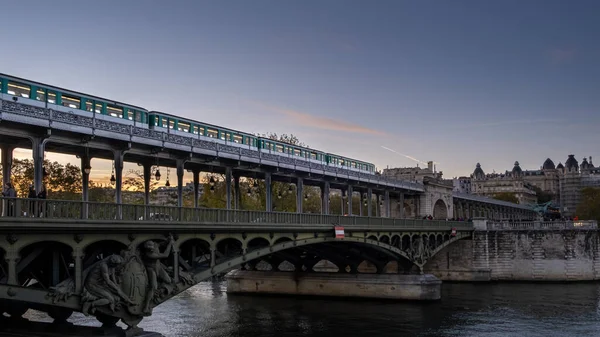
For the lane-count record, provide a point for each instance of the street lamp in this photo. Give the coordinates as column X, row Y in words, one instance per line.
column 157, row 174
column 87, row 169
column 112, row 179
column 212, row 181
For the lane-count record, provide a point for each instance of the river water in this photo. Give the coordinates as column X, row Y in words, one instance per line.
column 505, row 309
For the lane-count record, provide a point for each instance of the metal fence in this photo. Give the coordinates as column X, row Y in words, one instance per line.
column 66, row 209
column 544, row 225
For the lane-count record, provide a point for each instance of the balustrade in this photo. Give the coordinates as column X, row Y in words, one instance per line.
column 97, row 211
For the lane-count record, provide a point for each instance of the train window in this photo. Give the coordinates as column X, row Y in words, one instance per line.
column 279, row 148
column 163, row 122
column 40, row 95
column 89, row 105
column 248, row 140
column 212, row 133
column 342, row 162
column 313, row 155
column 195, row 129
column 130, row 114
column 237, row 139
column 114, row 111
column 227, row 136
column 139, row 116
column 185, row 127
column 99, row 107
column 171, row 123
column 70, row 101
column 297, row 152
column 51, row 97
column 18, row 89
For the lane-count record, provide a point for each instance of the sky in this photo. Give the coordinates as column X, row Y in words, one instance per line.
column 456, row 82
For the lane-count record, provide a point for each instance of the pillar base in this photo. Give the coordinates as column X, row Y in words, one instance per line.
column 385, row 286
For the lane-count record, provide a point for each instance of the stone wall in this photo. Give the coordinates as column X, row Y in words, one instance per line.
column 519, row 255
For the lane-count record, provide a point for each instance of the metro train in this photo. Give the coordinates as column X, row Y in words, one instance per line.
column 48, row 96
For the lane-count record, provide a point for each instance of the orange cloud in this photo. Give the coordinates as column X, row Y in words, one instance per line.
column 325, row 123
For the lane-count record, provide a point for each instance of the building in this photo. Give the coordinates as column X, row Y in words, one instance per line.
column 562, row 182
column 415, row 174
column 492, row 184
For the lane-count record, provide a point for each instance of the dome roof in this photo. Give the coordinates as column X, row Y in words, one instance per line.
column 560, row 166
column 572, row 163
column 585, row 164
column 517, row 169
column 478, row 173
column 548, row 165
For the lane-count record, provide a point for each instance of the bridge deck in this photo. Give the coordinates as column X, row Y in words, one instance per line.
column 56, row 214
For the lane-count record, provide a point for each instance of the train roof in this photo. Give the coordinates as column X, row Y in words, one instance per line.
column 20, row 79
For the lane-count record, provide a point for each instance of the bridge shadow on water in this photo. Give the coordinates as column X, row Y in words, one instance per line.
column 490, row 310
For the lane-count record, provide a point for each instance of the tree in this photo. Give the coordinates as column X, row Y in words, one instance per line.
column 506, row 196
column 589, row 205
column 542, row 197
column 284, row 138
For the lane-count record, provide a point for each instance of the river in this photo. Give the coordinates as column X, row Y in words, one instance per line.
column 504, row 309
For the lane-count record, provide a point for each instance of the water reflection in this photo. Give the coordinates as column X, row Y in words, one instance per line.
column 465, row 310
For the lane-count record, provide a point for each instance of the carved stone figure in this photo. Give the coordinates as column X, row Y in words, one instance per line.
column 156, row 270
column 101, row 286
column 421, row 250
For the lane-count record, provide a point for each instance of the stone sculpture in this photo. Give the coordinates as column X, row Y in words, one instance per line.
column 125, row 285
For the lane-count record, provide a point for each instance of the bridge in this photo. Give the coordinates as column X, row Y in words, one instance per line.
column 117, row 261
column 56, row 263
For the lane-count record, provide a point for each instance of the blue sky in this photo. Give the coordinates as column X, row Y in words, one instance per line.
column 457, row 82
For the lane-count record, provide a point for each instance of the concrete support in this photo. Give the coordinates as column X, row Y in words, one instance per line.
column 85, row 183
column 325, row 198
column 118, row 160
column 180, row 163
column 78, row 257
column 196, row 187
column 268, row 196
column 147, row 177
column 37, row 145
column 369, row 202
column 388, row 212
column 12, row 258
column 7, row 159
column 228, row 187
column 349, row 195
column 299, row 195
column 401, row 202
column 237, row 200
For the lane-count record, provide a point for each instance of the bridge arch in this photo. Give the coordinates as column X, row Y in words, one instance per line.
column 257, row 243
column 45, row 263
column 195, row 253
column 98, row 250
column 440, row 210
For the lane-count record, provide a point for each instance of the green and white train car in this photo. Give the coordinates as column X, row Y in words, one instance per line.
column 59, row 99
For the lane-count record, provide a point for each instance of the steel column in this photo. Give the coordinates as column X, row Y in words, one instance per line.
column 299, row 195
column 268, row 196
column 196, row 187
column 37, row 146
column 7, row 159
column 401, row 202
column 325, row 198
column 369, row 202
column 387, row 204
column 180, row 164
column 118, row 158
column 147, row 176
column 228, row 187
column 349, row 195
column 237, row 201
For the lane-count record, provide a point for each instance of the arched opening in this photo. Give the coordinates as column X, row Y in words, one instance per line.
column 396, row 241
column 372, row 237
column 44, row 264
column 286, row 266
column 228, row 249
column 257, row 243
column 440, row 240
column 384, row 239
column 263, row 265
column 100, row 250
column 281, row 240
column 195, row 254
column 405, row 242
column 432, row 242
column 391, row 267
column 440, row 211
column 366, row 267
column 325, row 266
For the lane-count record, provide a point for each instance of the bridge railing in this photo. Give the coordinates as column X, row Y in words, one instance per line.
column 543, row 225
column 79, row 210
